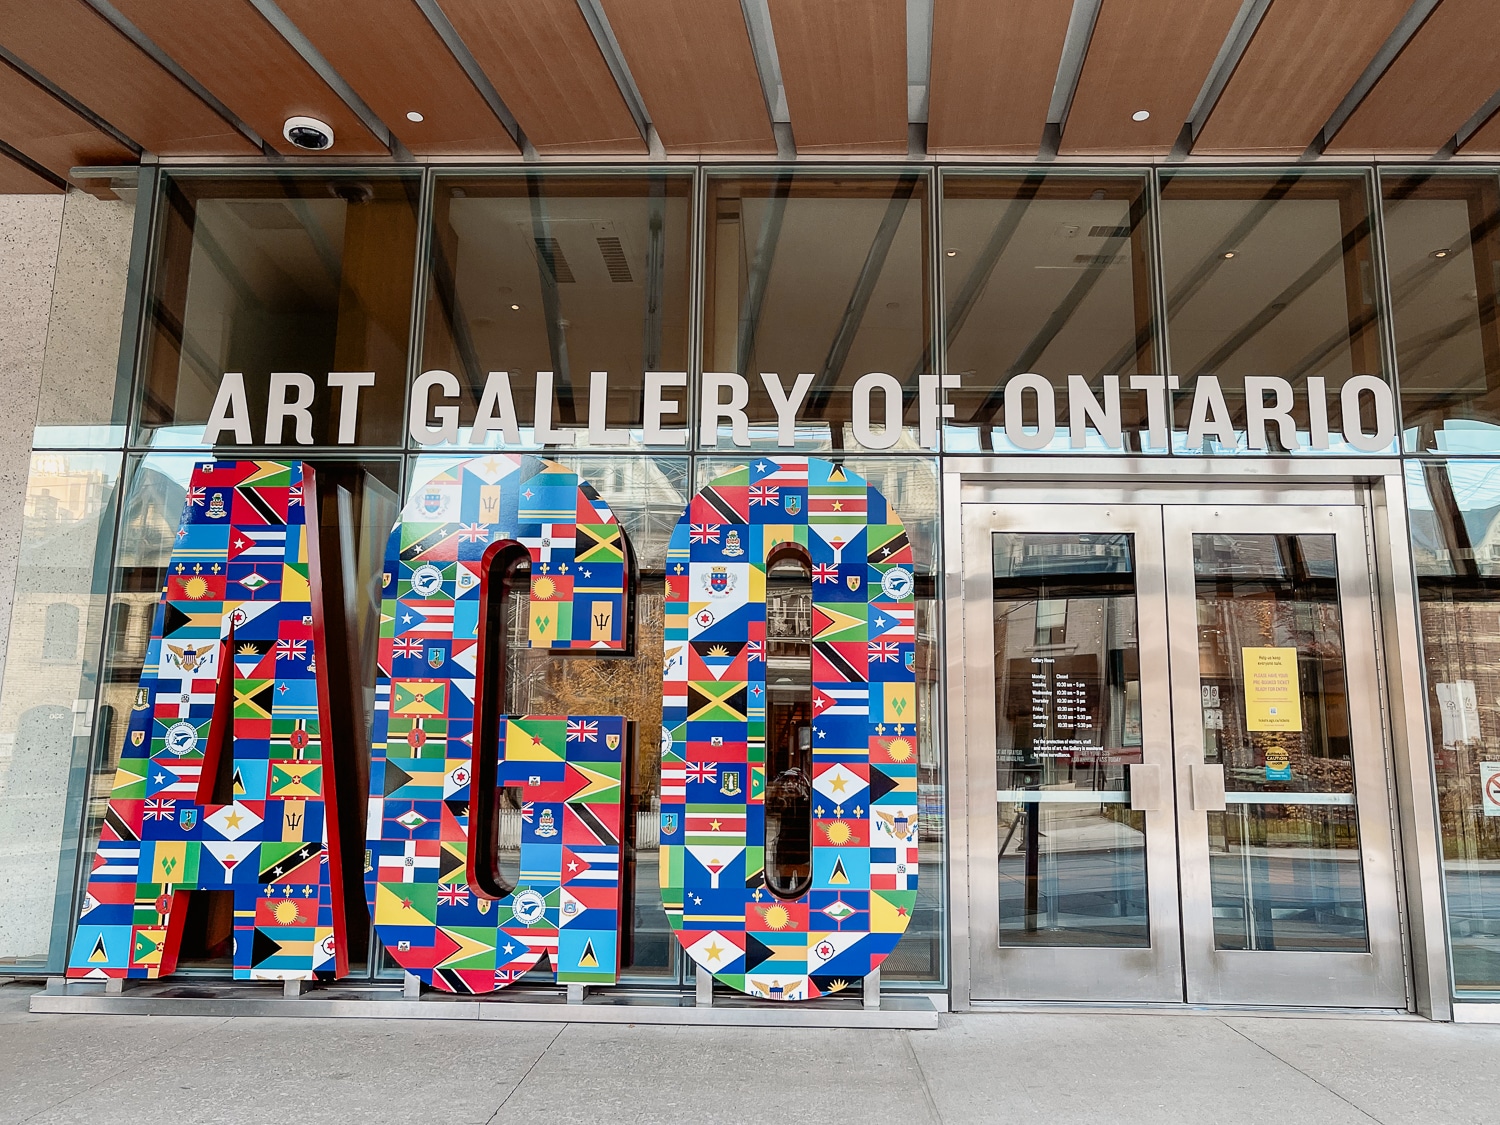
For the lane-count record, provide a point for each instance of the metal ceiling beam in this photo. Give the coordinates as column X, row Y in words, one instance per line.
column 324, row 70
column 117, row 20
column 1408, row 26
column 67, row 99
column 470, row 66
column 768, row 66
column 1069, row 69
column 1245, row 25
column 614, row 58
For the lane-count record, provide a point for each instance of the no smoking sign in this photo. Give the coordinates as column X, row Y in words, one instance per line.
column 1489, row 785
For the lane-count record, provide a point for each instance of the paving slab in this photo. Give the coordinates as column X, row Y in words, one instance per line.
column 1071, row 1068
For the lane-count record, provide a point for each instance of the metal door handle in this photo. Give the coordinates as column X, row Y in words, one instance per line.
column 1208, row 786
column 1145, row 788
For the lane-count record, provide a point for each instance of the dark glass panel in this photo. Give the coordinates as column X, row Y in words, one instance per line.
column 1442, row 242
column 1045, row 273
column 564, row 274
column 820, row 276
column 1270, row 276
column 298, row 274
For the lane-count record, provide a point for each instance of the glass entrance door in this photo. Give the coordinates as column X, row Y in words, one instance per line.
column 1176, row 761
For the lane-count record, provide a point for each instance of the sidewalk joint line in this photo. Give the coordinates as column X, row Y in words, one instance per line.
column 921, row 1076
column 1287, row 1062
column 539, row 1056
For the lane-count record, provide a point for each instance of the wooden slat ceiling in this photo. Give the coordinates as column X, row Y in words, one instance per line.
column 77, row 50
column 243, row 61
column 547, row 68
column 78, row 91
column 48, row 132
column 17, row 179
column 695, row 108
column 1438, row 81
column 1150, row 55
column 1306, row 54
column 998, row 66
column 394, row 60
column 843, row 63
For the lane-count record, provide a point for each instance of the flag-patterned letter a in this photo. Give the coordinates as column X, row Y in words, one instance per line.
column 235, row 667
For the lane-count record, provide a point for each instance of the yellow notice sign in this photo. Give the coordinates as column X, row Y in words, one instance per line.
column 1272, row 698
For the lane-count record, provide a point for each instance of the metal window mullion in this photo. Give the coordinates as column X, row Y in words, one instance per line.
column 416, row 328
column 1156, row 268
column 1385, row 308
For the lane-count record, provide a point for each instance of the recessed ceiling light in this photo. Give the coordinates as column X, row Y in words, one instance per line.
column 952, row 253
column 1441, row 253
column 413, row 115
column 1227, row 254
column 516, row 307
column 1140, row 115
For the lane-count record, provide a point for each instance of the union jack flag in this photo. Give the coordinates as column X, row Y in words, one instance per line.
column 583, row 730
column 703, row 533
column 294, row 496
column 822, row 572
column 195, row 496
column 291, row 650
column 407, row 646
column 165, row 809
column 755, row 650
column 702, row 771
column 887, row 651
column 526, row 811
column 453, row 894
column 764, row 494
column 473, row 533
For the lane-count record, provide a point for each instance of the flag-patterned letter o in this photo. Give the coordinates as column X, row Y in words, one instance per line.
column 236, row 657
column 863, row 784
column 441, row 748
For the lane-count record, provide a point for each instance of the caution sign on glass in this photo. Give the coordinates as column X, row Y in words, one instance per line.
column 1489, row 786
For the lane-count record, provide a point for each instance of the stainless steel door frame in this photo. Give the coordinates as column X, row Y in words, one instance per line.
column 1376, row 978
column 1150, row 974
column 989, row 479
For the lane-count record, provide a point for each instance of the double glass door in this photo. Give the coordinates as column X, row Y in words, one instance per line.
column 1176, row 761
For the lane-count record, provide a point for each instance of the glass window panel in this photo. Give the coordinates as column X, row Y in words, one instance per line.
column 1072, row 856
column 83, row 400
column 1269, row 276
column 823, row 276
column 1443, row 259
column 51, row 669
column 1284, row 860
column 1455, row 520
column 1047, row 274
column 292, row 274
column 358, row 506
column 564, row 274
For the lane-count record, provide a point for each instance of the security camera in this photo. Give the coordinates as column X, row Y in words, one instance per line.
column 308, row 133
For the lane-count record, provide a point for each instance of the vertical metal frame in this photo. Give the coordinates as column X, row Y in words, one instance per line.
column 1419, row 836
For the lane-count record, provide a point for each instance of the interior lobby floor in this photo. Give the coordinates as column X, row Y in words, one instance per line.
column 1008, row 1067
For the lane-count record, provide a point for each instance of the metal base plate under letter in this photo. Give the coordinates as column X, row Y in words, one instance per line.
column 914, row 1012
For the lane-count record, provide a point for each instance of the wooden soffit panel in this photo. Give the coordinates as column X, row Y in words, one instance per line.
column 44, row 129
column 993, row 68
column 693, row 64
column 76, row 49
column 244, row 62
column 547, row 69
column 843, row 63
column 17, row 179
column 388, row 52
column 1305, row 56
column 1151, row 55
column 1439, row 80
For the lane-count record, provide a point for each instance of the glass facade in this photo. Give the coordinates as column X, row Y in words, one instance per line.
column 652, row 327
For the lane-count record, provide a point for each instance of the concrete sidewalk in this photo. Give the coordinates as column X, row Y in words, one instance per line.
column 1031, row 1068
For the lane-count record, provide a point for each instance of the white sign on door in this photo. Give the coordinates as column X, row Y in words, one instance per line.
column 1459, row 706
